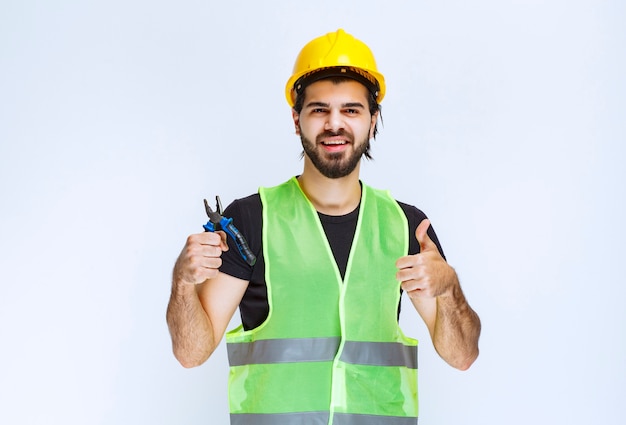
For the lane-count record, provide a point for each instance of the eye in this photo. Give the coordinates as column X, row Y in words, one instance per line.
column 351, row 111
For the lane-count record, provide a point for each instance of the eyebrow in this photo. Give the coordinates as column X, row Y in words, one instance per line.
column 343, row 105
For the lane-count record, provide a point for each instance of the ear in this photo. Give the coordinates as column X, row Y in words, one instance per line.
column 373, row 124
column 296, row 120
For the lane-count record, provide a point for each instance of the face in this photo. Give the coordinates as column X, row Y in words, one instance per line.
column 335, row 126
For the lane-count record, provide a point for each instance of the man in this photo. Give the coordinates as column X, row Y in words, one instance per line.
column 320, row 341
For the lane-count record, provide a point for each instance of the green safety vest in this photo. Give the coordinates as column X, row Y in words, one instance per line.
column 331, row 350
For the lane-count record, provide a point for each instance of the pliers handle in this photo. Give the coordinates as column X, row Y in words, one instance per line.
column 219, row 222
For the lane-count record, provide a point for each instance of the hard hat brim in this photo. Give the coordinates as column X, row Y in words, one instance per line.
column 373, row 81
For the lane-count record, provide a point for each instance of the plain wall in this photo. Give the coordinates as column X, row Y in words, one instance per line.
column 503, row 121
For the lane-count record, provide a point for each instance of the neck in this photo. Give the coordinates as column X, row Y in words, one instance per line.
column 331, row 196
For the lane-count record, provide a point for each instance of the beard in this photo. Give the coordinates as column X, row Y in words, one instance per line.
column 334, row 165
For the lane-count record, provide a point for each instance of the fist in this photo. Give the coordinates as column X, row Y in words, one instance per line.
column 200, row 258
column 425, row 274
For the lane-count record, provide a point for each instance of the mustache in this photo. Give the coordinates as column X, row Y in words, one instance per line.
column 329, row 133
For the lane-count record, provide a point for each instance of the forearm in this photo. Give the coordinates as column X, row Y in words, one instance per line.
column 457, row 329
column 190, row 328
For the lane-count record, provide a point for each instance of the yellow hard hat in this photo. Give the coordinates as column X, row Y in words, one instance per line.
column 335, row 54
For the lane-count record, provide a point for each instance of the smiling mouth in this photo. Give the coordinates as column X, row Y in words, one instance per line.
column 332, row 139
column 334, row 142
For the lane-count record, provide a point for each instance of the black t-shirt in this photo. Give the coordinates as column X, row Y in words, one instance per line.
column 247, row 217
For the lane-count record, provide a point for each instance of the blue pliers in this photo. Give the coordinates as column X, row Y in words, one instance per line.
column 218, row 222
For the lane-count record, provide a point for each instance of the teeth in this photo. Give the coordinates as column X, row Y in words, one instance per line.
column 335, row 142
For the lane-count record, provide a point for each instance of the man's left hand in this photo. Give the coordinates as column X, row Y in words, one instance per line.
column 425, row 274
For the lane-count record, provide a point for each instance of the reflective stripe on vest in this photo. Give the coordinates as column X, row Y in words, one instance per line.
column 322, row 349
column 331, row 350
column 317, row 418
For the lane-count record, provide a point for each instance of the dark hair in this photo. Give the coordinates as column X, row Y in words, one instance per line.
column 373, row 106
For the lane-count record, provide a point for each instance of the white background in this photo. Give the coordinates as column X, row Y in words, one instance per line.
column 504, row 121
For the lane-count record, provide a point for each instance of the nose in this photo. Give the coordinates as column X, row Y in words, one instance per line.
column 334, row 121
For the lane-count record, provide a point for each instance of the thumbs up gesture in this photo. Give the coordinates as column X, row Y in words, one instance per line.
column 427, row 274
column 435, row 292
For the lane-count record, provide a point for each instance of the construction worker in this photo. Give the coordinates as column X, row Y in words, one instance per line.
column 320, row 341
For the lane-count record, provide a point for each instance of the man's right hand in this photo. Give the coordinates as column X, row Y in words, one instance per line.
column 203, row 300
column 200, row 258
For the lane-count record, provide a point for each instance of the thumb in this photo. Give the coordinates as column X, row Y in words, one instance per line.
column 224, row 237
column 426, row 244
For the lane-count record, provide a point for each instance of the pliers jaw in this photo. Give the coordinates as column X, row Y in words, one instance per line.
column 214, row 217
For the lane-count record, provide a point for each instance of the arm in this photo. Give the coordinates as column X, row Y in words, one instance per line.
column 203, row 300
column 436, row 294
